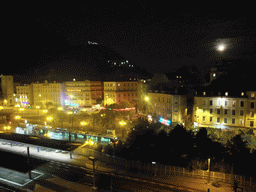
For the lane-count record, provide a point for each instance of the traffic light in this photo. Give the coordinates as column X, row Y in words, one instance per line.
column 109, row 108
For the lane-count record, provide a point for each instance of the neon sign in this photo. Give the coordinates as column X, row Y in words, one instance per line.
column 165, row 121
column 73, row 105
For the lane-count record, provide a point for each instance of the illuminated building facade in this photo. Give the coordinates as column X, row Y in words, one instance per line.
column 143, row 87
column 96, row 92
column 166, row 108
column 116, row 92
column 49, row 92
column 24, row 95
column 224, row 110
column 78, row 93
column 7, row 90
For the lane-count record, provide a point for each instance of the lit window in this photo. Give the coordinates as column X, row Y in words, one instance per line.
column 252, row 95
column 251, row 114
column 234, row 103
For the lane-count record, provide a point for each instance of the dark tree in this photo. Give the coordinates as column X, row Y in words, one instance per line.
column 180, row 144
column 204, row 145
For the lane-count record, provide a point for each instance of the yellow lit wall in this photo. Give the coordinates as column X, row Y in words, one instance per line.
column 167, row 106
column 48, row 92
column 24, row 93
column 116, row 92
column 79, row 92
column 225, row 111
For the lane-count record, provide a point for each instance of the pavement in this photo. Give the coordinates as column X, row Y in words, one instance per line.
column 188, row 183
column 58, row 184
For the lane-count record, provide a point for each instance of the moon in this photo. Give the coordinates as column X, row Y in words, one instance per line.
column 221, row 47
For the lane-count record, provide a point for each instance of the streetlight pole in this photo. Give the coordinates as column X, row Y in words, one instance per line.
column 209, row 161
column 93, row 160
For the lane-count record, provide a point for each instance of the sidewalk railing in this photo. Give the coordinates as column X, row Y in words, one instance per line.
column 145, row 170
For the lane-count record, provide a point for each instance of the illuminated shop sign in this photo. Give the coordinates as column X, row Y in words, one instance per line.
column 165, row 121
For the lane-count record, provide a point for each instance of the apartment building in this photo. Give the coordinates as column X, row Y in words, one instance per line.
column 225, row 110
column 24, row 94
column 166, row 108
column 115, row 92
column 78, row 93
column 96, row 92
column 49, row 92
column 7, row 87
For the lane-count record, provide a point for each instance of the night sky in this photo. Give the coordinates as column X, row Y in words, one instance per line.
column 157, row 37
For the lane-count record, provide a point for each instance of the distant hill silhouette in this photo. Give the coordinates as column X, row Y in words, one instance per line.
column 82, row 62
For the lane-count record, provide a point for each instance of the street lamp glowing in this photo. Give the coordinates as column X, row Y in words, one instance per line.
column 60, row 108
column 146, row 98
column 83, row 123
column 122, row 123
column 49, row 118
column 38, row 107
column 7, row 128
column 17, row 117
